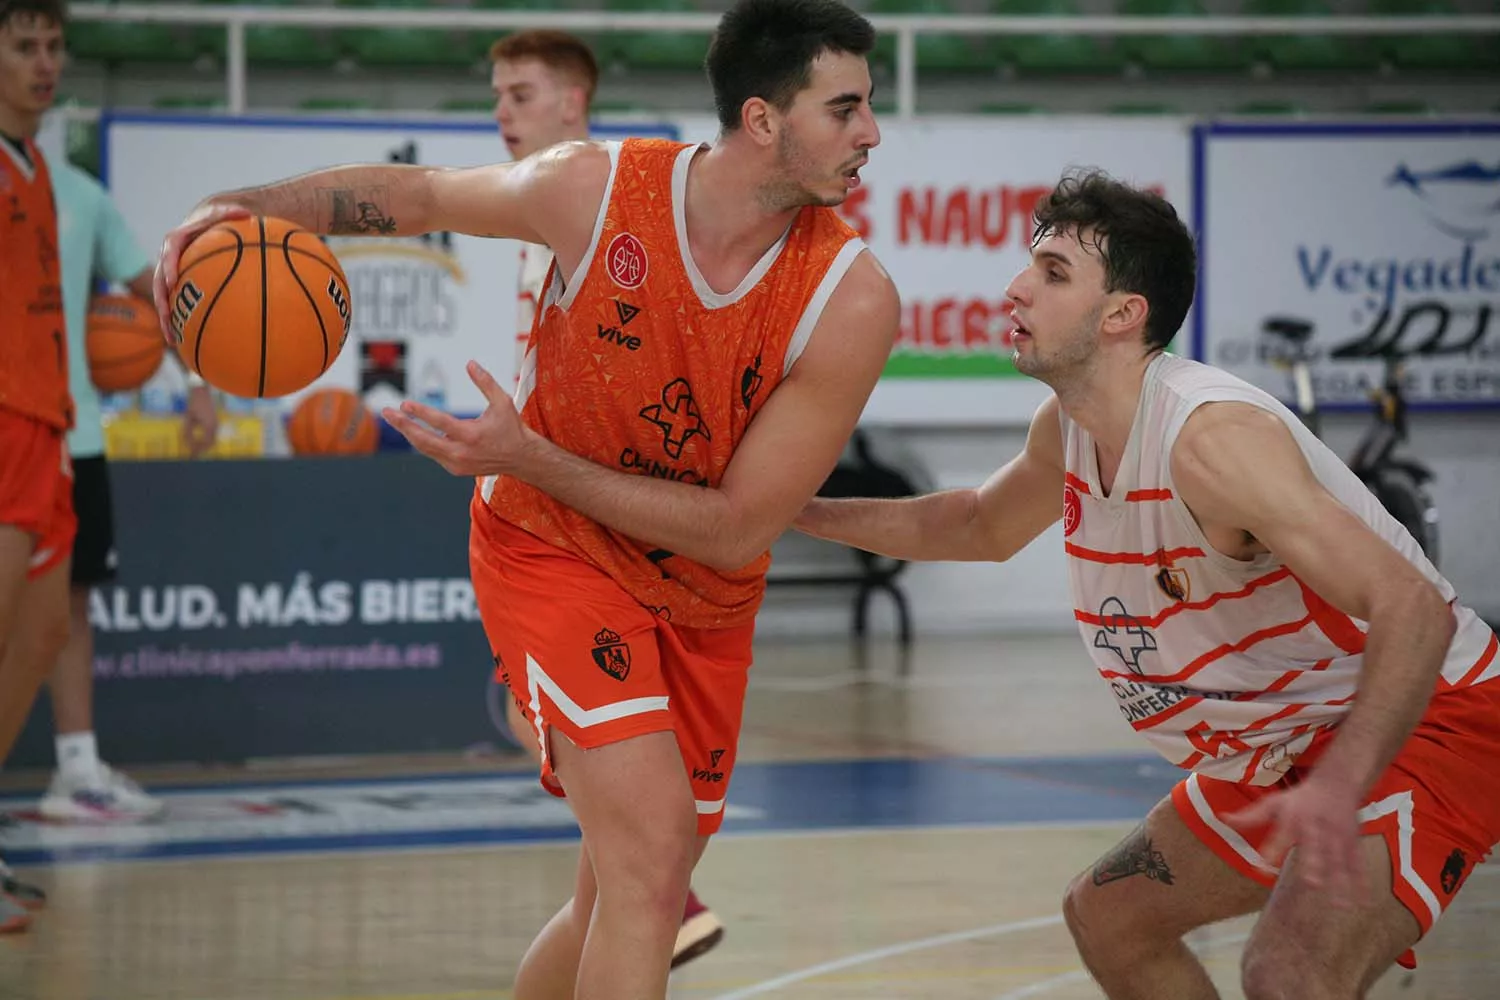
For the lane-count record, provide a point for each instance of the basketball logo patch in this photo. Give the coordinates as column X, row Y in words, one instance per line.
column 1072, row 510
column 626, row 261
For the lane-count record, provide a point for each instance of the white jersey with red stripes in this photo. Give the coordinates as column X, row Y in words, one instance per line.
column 1228, row 667
column 535, row 261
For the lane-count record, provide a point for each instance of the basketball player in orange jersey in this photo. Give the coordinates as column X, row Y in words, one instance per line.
column 36, row 510
column 709, row 335
column 1237, row 587
column 544, row 82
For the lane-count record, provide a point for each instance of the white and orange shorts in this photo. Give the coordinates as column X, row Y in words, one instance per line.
column 1437, row 805
column 582, row 658
column 36, row 488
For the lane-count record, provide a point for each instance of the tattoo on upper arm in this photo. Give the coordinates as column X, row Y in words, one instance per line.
column 1133, row 856
column 354, row 211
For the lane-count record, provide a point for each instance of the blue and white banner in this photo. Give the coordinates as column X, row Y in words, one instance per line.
column 1385, row 239
column 305, row 607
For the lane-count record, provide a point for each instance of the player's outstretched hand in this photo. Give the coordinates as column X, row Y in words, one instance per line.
column 488, row 445
column 176, row 241
column 1321, row 820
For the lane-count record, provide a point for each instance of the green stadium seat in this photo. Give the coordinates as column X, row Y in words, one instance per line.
column 1286, row 109
column 681, row 51
column 1063, row 54
column 278, row 44
column 478, row 42
column 1307, row 53
column 188, row 102
column 1428, row 52
column 1142, row 108
column 334, row 104
column 466, row 104
column 621, row 108
column 935, row 53
column 1179, row 53
column 1405, row 108
column 108, row 41
column 403, row 46
column 1004, row 108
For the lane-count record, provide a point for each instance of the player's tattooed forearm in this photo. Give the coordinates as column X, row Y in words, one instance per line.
column 355, row 212
column 1133, row 856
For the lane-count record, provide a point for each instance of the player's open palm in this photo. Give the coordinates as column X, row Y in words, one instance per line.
column 488, row 445
column 1321, row 820
column 165, row 279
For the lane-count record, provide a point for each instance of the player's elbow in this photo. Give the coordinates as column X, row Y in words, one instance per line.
column 730, row 553
column 1419, row 600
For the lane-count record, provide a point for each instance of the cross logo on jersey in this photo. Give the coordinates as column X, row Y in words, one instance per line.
column 1123, row 634
column 677, row 415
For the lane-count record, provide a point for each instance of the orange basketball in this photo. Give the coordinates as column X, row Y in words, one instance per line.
column 331, row 422
column 123, row 342
column 262, row 307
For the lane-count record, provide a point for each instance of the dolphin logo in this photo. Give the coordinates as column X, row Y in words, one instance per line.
column 1461, row 199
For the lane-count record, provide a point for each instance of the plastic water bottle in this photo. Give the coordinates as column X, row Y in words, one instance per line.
column 432, row 387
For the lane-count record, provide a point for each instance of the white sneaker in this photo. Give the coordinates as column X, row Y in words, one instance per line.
column 109, row 797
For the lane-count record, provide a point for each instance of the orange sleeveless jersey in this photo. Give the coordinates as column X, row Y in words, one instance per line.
column 34, row 372
column 641, row 367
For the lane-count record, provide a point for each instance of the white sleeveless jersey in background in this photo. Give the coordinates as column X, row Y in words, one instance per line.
column 1229, row 668
column 534, row 263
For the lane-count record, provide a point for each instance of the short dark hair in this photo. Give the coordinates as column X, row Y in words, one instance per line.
column 54, row 11
column 1146, row 248
column 557, row 50
column 765, row 49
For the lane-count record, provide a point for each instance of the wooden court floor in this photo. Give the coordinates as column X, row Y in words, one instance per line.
column 901, row 837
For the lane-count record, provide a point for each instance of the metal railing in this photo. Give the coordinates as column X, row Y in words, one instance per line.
column 905, row 28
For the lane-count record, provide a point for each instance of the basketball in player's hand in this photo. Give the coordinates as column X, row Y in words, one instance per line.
column 261, row 306
column 122, row 342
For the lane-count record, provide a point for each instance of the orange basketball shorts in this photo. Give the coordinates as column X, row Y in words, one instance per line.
column 1437, row 805
column 36, row 488
column 582, row 658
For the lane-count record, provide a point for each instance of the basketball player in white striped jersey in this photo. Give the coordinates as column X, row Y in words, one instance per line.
column 1256, row 614
column 544, row 83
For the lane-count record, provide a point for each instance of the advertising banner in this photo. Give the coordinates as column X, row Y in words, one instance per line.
column 946, row 206
column 298, row 607
column 424, row 307
column 1373, row 240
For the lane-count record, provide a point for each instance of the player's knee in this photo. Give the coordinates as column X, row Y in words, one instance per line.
column 1106, row 929
column 1088, row 921
column 42, row 639
column 1271, row 968
column 648, row 866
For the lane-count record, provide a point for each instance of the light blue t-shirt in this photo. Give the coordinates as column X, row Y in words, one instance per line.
column 93, row 242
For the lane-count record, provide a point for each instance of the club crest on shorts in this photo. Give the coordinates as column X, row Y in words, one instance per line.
column 612, row 654
column 626, row 260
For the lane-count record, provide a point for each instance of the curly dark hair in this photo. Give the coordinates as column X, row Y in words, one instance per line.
column 1146, row 248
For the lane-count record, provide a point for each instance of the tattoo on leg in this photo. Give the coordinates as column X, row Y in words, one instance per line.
column 356, row 212
column 1133, row 856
